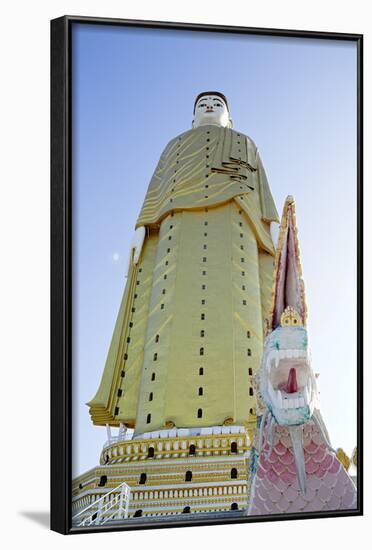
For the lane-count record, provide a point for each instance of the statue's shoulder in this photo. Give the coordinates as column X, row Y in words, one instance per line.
column 174, row 140
column 238, row 135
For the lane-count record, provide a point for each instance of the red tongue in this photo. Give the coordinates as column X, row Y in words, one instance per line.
column 291, row 386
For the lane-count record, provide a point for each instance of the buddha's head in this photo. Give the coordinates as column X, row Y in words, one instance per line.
column 211, row 108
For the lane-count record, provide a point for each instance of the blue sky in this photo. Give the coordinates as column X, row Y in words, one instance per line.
column 296, row 98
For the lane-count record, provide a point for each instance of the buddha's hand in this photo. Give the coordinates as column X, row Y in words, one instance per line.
column 274, row 231
column 137, row 244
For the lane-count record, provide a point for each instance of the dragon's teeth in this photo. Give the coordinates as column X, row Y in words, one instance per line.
column 306, row 396
column 279, row 399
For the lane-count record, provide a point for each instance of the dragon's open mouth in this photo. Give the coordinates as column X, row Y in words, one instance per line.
column 289, row 381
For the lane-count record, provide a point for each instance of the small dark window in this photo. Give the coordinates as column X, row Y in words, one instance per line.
column 128, row 339
column 250, row 391
column 200, row 391
column 148, row 420
column 250, row 411
column 125, row 356
column 162, row 306
column 244, row 302
column 151, row 395
column 169, row 238
column 151, row 452
column 201, row 371
column 240, row 223
column 188, row 476
column 186, row 510
column 166, row 263
column 120, row 392
column 234, row 506
column 205, row 223
column 171, row 227
column 202, row 333
column 241, row 235
column 201, row 351
column 192, row 449
column 241, row 247
column 137, row 282
column 102, row 481
column 140, row 270
column 204, row 247
column 122, row 374
column 200, row 413
column 243, row 273
column 155, row 356
column 204, row 272
column 248, row 334
column 80, row 485
column 116, row 411
column 157, row 338
column 250, row 371
column 243, row 287
column 142, row 479
column 204, row 259
column 94, row 516
column 107, row 458
column 137, row 514
column 165, row 276
column 202, row 316
column 130, row 324
column 204, row 287
column 234, row 473
column 133, row 309
column 249, row 352
column 163, row 291
column 203, row 302
column 205, row 234
column 153, row 376
column 242, row 260
column 234, row 447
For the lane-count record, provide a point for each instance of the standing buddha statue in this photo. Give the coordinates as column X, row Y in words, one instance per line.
column 189, row 332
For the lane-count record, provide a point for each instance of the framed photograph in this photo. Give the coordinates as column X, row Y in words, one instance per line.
column 206, row 355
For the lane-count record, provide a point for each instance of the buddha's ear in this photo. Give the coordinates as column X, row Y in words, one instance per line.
column 193, row 124
column 230, row 123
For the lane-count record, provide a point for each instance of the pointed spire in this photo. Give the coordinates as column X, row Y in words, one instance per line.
column 288, row 291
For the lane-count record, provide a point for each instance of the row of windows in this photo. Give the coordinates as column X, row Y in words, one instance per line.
column 202, row 350
column 199, row 413
column 188, row 476
column 186, row 510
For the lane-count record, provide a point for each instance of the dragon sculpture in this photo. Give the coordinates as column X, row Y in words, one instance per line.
column 293, row 467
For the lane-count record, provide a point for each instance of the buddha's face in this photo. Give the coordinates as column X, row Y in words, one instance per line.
column 211, row 109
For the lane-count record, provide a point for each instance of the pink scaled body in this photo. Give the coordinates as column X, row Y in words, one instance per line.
column 275, row 489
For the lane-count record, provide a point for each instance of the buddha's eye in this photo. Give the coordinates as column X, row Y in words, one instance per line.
column 218, row 105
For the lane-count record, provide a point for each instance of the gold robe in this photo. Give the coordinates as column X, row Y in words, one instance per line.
column 189, row 332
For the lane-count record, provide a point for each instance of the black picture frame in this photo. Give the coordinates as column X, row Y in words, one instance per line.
column 61, row 265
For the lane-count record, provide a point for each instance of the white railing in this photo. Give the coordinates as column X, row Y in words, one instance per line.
column 116, row 439
column 124, row 434
column 112, row 505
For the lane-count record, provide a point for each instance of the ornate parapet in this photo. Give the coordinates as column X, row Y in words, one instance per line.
column 176, row 447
